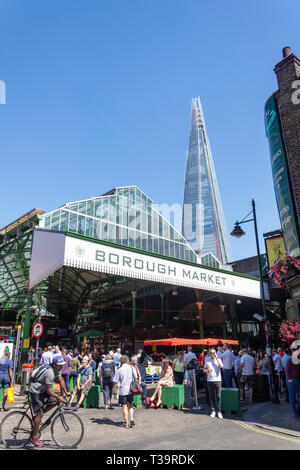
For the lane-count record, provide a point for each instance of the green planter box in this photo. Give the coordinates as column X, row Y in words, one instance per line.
column 173, row 396
column 230, row 400
column 93, row 398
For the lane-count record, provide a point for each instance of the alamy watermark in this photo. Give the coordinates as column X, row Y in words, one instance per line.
column 296, row 94
column 2, row 92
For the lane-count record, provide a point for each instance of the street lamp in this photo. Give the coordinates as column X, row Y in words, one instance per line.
column 238, row 232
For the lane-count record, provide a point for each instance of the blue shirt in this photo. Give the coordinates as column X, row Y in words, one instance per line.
column 85, row 372
column 284, row 360
column 5, row 365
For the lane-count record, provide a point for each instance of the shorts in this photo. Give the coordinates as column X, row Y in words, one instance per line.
column 124, row 399
column 5, row 381
column 38, row 401
column 85, row 389
column 247, row 379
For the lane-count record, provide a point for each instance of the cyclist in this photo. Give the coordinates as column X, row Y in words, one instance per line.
column 43, row 398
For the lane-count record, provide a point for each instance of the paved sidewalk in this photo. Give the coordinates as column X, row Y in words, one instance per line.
column 277, row 417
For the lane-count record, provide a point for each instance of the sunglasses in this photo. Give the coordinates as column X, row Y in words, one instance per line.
column 296, row 349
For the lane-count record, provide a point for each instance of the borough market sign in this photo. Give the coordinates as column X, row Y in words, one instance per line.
column 85, row 254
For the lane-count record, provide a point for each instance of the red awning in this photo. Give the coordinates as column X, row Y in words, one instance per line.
column 186, row 341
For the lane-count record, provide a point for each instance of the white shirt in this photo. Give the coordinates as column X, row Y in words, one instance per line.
column 212, row 365
column 228, row 359
column 124, row 376
column 277, row 362
column 189, row 356
column 47, row 357
column 248, row 362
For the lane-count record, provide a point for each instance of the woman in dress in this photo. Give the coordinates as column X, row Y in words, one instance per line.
column 166, row 380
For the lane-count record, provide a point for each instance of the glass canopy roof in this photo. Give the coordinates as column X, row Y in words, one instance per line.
column 125, row 216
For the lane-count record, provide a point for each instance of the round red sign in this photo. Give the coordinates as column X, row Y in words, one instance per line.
column 37, row 329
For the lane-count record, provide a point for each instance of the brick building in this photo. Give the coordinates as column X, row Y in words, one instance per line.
column 282, row 121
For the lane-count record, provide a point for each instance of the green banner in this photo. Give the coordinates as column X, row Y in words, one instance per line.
column 280, row 178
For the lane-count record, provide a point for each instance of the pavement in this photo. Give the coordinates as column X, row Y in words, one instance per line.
column 275, row 420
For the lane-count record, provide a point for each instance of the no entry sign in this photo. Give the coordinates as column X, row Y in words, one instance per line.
column 37, row 329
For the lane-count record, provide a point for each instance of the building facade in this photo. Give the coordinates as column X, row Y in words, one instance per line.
column 203, row 222
column 282, row 123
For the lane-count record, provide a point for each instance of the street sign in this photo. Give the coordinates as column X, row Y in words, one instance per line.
column 37, row 329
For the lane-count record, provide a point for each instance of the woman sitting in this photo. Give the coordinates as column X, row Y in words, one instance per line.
column 165, row 381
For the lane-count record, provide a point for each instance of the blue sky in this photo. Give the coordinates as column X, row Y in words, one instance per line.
column 99, row 95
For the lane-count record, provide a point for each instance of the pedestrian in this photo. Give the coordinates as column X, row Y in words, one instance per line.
column 166, row 380
column 56, row 351
column 107, row 372
column 47, row 356
column 66, row 368
column 92, row 361
column 74, row 368
column 247, row 377
column 190, row 365
column 76, row 354
column 117, row 356
column 278, row 370
column 123, row 379
column 237, row 368
column 292, row 372
column 84, row 383
column 31, row 354
column 212, row 368
column 6, row 376
column 142, row 364
column 228, row 363
column 179, row 367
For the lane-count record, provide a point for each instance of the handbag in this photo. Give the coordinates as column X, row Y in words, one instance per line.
column 10, row 395
column 135, row 387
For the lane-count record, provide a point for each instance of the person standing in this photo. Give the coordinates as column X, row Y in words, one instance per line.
column 117, row 356
column 212, row 368
column 56, row 351
column 47, row 356
column 292, row 372
column 66, row 368
column 237, row 368
column 228, row 363
column 123, row 378
column 6, row 376
column 278, row 370
column 106, row 375
column 74, row 368
column 179, row 368
column 31, row 354
column 142, row 364
column 247, row 377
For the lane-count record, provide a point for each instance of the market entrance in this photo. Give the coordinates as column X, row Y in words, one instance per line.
column 130, row 295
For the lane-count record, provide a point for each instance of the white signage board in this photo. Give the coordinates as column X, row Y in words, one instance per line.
column 94, row 256
column 3, row 348
column 64, row 250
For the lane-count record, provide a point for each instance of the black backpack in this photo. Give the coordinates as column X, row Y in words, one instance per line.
column 106, row 371
column 192, row 365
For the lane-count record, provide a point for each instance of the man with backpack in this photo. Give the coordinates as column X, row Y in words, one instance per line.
column 107, row 373
column 43, row 398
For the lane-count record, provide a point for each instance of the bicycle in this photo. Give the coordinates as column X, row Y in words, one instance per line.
column 17, row 426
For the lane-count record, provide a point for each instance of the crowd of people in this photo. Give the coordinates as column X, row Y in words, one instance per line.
column 119, row 375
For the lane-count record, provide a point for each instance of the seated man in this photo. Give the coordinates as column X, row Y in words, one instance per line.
column 43, row 398
column 84, row 383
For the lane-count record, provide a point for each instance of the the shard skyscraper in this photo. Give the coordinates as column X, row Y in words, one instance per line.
column 203, row 222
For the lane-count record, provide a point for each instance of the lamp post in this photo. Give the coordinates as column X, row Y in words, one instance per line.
column 238, row 232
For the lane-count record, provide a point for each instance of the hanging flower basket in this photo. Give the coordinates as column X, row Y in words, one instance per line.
column 284, row 269
column 289, row 330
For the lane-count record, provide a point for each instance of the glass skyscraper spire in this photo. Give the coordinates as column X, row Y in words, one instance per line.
column 203, row 222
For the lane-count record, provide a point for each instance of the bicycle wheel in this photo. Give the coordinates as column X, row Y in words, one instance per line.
column 16, row 429
column 67, row 430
